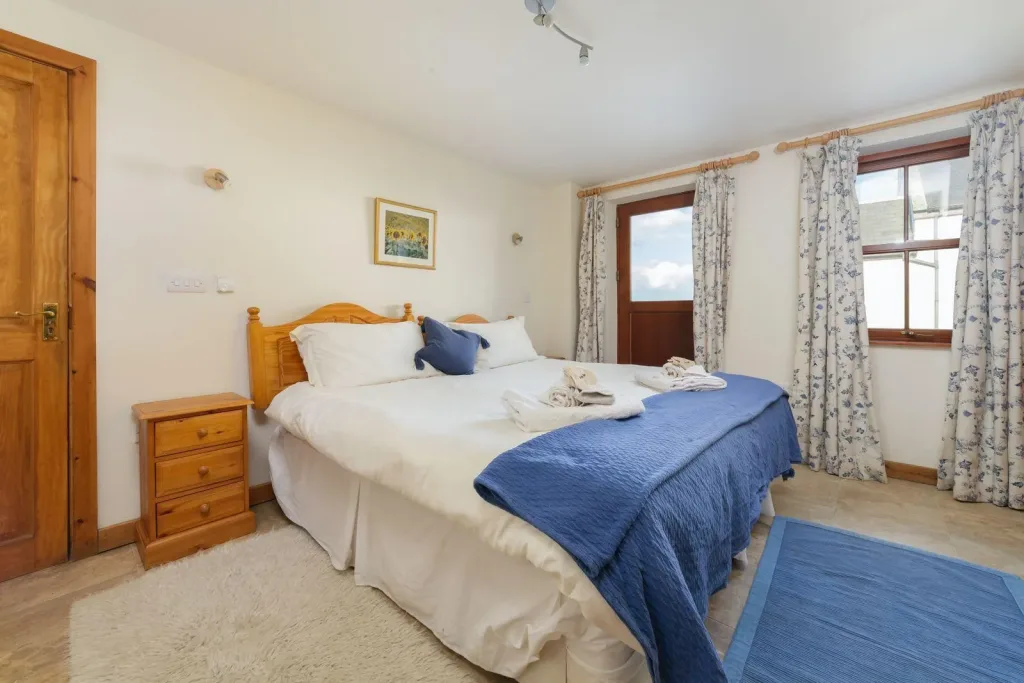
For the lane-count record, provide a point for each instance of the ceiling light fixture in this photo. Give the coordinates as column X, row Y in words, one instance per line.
column 542, row 8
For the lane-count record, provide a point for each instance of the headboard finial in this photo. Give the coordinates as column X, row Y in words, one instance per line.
column 254, row 313
column 408, row 313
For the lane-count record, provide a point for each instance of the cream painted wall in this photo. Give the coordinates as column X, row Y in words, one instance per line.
column 909, row 384
column 554, row 250
column 294, row 230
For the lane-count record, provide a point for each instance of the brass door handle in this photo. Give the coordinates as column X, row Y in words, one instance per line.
column 45, row 314
column 49, row 314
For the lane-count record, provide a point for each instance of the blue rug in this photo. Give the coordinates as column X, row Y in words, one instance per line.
column 831, row 606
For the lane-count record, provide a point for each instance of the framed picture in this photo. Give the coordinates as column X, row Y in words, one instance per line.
column 404, row 235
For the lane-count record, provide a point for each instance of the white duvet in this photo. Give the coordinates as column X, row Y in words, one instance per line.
column 429, row 438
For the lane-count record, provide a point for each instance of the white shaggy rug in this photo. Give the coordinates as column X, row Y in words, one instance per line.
column 268, row 607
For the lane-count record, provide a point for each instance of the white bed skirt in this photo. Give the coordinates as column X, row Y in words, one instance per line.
column 501, row 613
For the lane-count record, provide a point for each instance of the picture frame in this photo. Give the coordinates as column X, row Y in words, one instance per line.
column 404, row 235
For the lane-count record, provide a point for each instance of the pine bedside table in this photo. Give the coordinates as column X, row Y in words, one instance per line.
column 194, row 475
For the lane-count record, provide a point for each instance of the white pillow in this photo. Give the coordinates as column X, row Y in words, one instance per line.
column 508, row 339
column 353, row 355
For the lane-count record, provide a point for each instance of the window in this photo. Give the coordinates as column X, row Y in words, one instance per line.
column 661, row 255
column 911, row 207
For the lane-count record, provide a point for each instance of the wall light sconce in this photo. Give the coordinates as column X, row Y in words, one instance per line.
column 216, row 179
column 517, row 239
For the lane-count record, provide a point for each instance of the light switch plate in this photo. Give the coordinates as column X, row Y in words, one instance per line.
column 225, row 285
column 180, row 284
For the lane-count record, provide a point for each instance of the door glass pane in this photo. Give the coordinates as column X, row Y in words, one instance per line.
column 661, row 255
column 883, row 290
column 932, row 285
column 937, row 191
column 880, row 195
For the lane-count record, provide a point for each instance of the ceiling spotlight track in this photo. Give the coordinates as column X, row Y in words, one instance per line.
column 542, row 10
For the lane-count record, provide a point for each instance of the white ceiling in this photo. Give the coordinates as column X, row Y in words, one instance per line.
column 670, row 81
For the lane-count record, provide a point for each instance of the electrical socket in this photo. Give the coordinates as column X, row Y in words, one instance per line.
column 181, row 284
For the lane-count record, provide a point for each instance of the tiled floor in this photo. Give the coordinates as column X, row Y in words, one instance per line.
column 900, row 511
column 34, row 609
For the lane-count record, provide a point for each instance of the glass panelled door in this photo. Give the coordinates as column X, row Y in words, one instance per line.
column 655, row 279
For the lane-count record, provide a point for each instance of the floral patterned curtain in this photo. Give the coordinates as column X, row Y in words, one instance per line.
column 590, row 336
column 983, row 441
column 712, row 254
column 831, row 391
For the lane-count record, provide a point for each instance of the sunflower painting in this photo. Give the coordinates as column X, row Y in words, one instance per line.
column 404, row 235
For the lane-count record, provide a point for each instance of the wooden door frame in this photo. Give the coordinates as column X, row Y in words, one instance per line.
column 82, row 497
column 623, row 272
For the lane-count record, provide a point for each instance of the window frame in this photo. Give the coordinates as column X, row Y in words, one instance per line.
column 945, row 150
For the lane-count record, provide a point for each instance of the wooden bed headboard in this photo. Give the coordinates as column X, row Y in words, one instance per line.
column 274, row 360
column 472, row 319
column 468, row 319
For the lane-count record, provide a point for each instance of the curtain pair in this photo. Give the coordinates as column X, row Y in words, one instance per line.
column 713, row 208
column 983, row 437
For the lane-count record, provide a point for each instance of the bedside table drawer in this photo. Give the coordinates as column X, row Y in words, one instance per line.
column 190, row 511
column 187, row 433
column 189, row 471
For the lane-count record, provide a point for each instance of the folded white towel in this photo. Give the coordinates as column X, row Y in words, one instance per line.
column 596, row 395
column 531, row 415
column 578, row 378
column 697, row 379
column 562, row 396
column 684, row 363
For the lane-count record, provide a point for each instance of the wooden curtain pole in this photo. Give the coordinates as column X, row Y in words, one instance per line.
column 699, row 168
column 982, row 103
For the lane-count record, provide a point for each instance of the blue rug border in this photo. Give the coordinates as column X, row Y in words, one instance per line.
column 743, row 637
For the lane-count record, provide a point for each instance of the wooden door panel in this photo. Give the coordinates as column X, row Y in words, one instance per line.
column 15, row 194
column 656, row 336
column 17, row 476
column 34, row 181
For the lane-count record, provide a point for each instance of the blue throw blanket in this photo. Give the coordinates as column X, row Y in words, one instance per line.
column 653, row 508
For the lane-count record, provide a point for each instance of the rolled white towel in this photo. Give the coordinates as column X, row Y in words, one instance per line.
column 578, row 378
column 561, row 396
column 672, row 370
column 584, row 383
column 530, row 415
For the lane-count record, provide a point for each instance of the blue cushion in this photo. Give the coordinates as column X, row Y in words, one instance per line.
column 453, row 352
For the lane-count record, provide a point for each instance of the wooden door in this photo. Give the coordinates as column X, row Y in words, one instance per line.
column 655, row 279
column 34, row 180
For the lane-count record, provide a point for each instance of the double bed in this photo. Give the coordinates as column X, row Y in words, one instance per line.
column 382, row 478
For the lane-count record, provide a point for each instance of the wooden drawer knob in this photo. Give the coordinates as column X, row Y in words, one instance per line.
column 202, row 433
column 204, row 509
column 203, row 470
